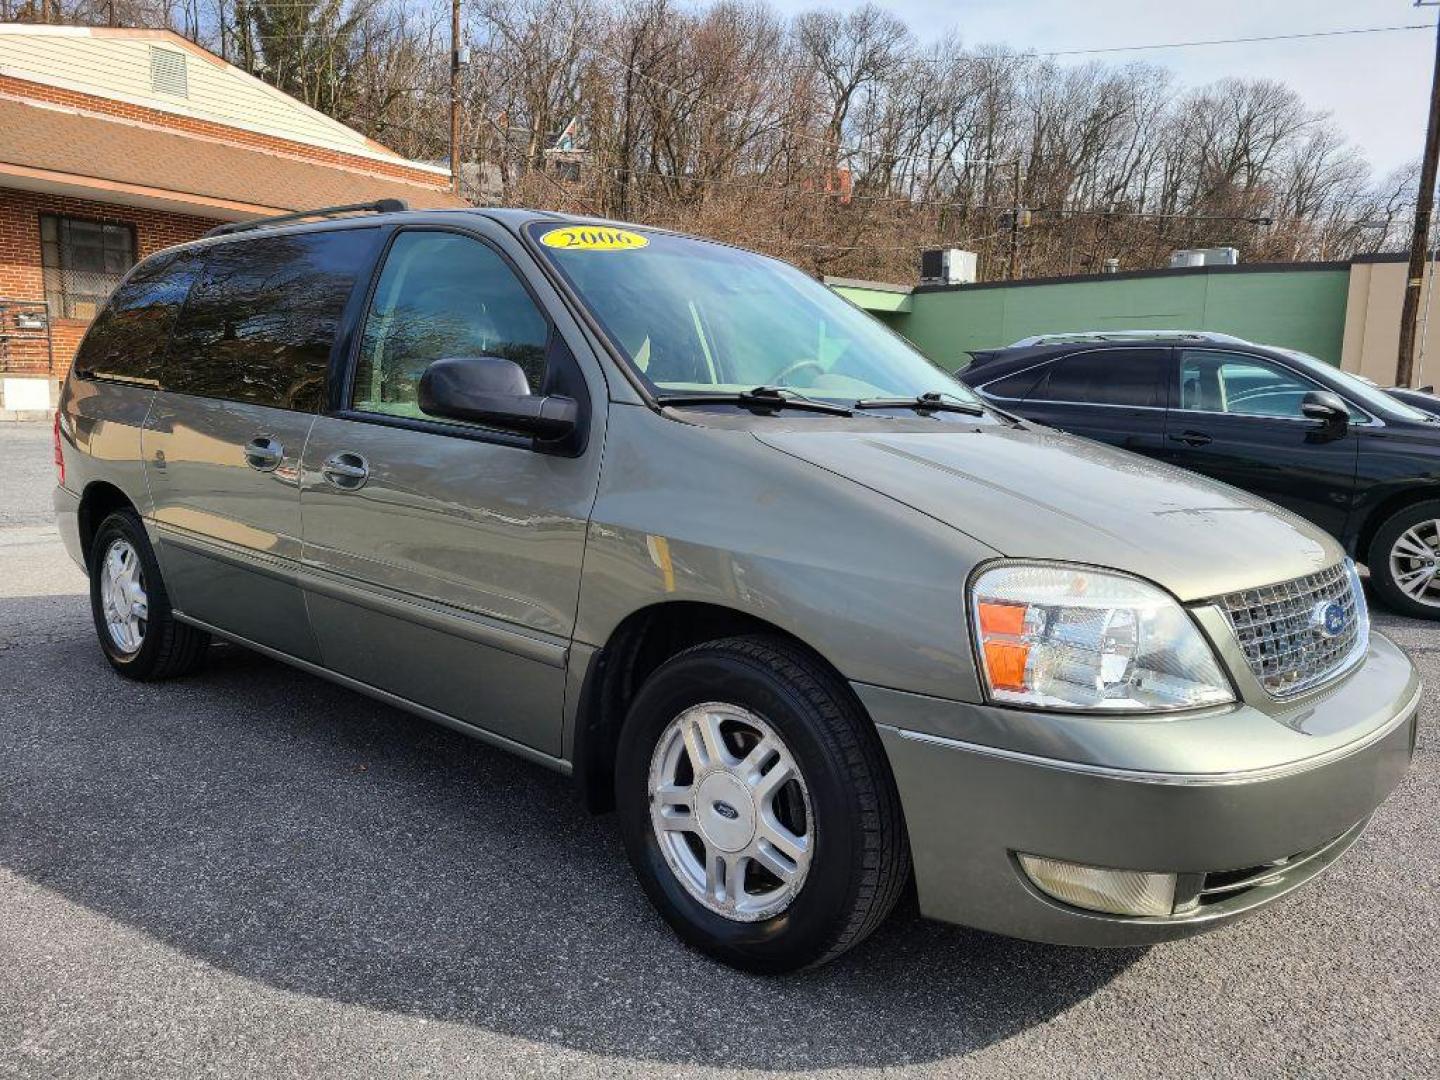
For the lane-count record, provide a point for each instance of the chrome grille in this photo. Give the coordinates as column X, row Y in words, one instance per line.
column 1281, row 628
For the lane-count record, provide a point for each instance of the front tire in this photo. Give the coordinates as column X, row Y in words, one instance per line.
column 138, row 631
column 1404, row 561
column 757, row 807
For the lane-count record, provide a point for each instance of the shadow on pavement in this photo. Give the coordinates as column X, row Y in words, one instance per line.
column 294, row 833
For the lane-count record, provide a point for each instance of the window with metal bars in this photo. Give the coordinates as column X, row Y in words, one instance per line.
column 83, row 261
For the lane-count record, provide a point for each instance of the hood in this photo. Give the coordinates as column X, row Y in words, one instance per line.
column 1040, row 494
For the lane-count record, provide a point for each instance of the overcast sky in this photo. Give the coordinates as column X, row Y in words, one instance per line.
column 1376, row 85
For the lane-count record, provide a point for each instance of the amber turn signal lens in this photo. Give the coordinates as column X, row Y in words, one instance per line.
column 1001, row 619
column 1005, row 664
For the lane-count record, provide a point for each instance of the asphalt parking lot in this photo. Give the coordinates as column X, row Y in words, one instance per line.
column 255, row 873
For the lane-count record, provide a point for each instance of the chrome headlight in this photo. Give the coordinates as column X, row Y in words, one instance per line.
column 1068, row 637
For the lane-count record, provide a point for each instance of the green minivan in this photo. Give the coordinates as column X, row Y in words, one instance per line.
column 670, row 517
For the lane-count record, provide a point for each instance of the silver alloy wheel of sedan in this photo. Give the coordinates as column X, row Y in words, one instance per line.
column 1415, row 563
column 122, row 595
column 731, row 812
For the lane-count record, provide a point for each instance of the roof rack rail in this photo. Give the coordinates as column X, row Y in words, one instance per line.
column 379, row 206
column 1082, row 336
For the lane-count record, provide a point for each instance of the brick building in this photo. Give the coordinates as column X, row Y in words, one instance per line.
column 115, row 143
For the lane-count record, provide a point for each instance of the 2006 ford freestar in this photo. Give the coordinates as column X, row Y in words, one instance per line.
column 674, row 519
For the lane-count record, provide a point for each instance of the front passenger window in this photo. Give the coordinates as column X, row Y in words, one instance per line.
column 442, row 295
column 1240, row 385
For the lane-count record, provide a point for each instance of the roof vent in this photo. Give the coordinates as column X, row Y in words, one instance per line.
column 167, row 72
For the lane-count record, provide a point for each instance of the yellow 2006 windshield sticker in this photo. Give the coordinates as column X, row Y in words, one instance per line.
column 593, row 238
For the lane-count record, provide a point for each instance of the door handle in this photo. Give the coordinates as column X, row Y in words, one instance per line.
column 1192, row 438
column 264, row 454
column 346, row 471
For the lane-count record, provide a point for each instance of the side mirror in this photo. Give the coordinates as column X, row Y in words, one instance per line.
column 1327, row 407
column 493, row 391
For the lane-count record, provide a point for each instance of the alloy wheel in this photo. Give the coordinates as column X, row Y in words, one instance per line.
column 1415, row 563
column 731, row 812
column 122, row 596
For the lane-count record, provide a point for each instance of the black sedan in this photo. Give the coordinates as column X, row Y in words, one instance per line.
column 1354, row 459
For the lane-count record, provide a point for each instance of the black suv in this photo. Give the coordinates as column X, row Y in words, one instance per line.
column 1353, row 459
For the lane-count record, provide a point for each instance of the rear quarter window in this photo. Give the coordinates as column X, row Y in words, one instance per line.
column 1017, row 385
column 128, row 340
column 261, row 321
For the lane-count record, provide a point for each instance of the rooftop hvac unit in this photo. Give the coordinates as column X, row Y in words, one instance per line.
column 1223, row 256
column 952, row 266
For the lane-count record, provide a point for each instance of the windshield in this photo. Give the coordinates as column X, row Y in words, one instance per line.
column 1360, row 390
column 698, row 317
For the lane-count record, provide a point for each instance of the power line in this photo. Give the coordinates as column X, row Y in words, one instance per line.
column 1240, row 40
column 754, row 182
column 319, row 6
column 815, row 244
column 1100, row 50
column 966, row 210
column 838, row 147
column 795, row 188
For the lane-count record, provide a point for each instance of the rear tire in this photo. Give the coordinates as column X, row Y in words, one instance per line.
column 840, row 856
column 137, row 629
column 1404, row 561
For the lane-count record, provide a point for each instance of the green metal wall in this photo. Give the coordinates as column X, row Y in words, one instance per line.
column 875, row 301
column 1300, row 309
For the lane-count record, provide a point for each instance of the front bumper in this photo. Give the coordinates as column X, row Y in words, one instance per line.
column 970, row 808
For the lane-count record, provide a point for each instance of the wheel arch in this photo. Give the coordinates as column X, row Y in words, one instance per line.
column 99, row 499
column 1387, row 508
column 639, row 644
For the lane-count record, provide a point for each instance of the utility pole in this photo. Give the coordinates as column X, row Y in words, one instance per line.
column 455, row 96
column 1015, row 220
column 1420, row 237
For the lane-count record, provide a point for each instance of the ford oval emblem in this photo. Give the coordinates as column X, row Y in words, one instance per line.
column 725, row 810
column 1328, row 618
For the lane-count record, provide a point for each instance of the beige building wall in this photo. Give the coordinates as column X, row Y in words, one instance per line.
column 1372, row 323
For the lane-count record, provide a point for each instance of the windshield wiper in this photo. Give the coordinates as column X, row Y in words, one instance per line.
column 933, row 401
column 762, row 397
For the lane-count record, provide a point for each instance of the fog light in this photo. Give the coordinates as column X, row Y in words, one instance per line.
column 1117, row 892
